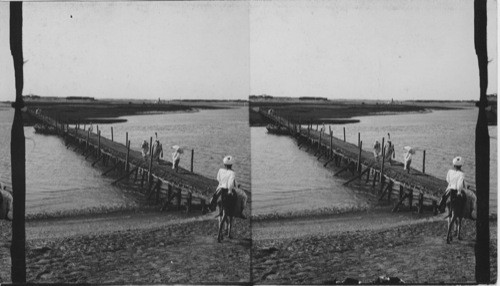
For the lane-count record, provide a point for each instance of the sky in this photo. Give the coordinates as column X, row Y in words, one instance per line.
column 362, row 49
column 342, row 49
column 138, row 50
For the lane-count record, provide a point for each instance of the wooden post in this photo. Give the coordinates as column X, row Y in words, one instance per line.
column 192, row 158
column 126, row 137
column 434, row 207
column 368, row 176
column 319, row 141
column 359, row 138
column 410, row 199
column 344, row 134
column 360, row 144
column 88, row 135
column 421, row 203
column 84, row 126
column 99, row 142
column 189, row 201
column 126, row 158
column 389, row 191
column 150, row 158
column 203, row 206
column 136, row 173
column 401, row 192
column 179, row 198
column 423, row 163
column 112, row 134
column 142, row 177
column 331, row 142
column 383, row 160
column 158, row 188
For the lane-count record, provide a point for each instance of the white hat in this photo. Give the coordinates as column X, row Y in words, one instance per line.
column 458, row 161
column 176, row 147
column 228, row 160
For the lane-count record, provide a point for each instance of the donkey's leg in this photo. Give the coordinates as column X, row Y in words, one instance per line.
column 459, row 226
column 221, row 222
column 451, row 220
column 230, row 223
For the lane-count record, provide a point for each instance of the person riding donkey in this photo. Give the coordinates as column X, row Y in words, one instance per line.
column 456, row 182
column 230, row 200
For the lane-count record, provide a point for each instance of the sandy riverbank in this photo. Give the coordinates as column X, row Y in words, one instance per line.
column 132, row 248
column 415, row 252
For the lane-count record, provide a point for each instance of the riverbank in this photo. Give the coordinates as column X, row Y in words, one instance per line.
column 108, row 111
column 135, row 248
column 413, row 250
column 330, row 112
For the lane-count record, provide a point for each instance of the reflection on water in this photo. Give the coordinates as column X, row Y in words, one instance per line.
column 285, row 178
column 288, row 180
column 59, row 179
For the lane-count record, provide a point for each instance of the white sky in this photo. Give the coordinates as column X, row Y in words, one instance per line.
column 401, row 49
column 170, row 50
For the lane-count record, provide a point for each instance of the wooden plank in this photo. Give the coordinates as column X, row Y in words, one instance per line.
column 396, row 207
column 342, row 170
column 123, row 177
column 99, row 159
column 110, row 169
column 357, row 176
column 387, row 188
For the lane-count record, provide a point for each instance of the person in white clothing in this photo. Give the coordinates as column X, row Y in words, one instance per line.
column 145, row 149
column 226, row 189
column 176, row 158
column 456, row 181
column 407, row 157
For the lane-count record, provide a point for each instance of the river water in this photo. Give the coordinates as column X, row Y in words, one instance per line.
column 59, row 180
column 286, row 179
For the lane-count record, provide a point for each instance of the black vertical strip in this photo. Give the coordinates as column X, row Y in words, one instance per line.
column 482, row 146
column 17, row 150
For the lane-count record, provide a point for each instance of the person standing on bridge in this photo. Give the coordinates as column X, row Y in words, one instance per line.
column 407, row 157
column 176, row 158
column 145, row 148
column 456, row 181
column 157, row 149
column 376, row 150
column 389, row 150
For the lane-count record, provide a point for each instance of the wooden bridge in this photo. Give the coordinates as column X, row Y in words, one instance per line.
column 391, row 179
column 157, row 178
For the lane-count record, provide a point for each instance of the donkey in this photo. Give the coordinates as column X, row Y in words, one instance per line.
column 227, row 205
column 460, row 206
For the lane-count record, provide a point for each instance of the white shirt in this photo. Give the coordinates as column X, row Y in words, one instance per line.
column 226, row 178
column 456, row 180
column 176, row 156
column 408, row 156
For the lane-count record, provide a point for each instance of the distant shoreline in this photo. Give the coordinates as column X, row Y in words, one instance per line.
column 107, row 112
column 336, row 112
